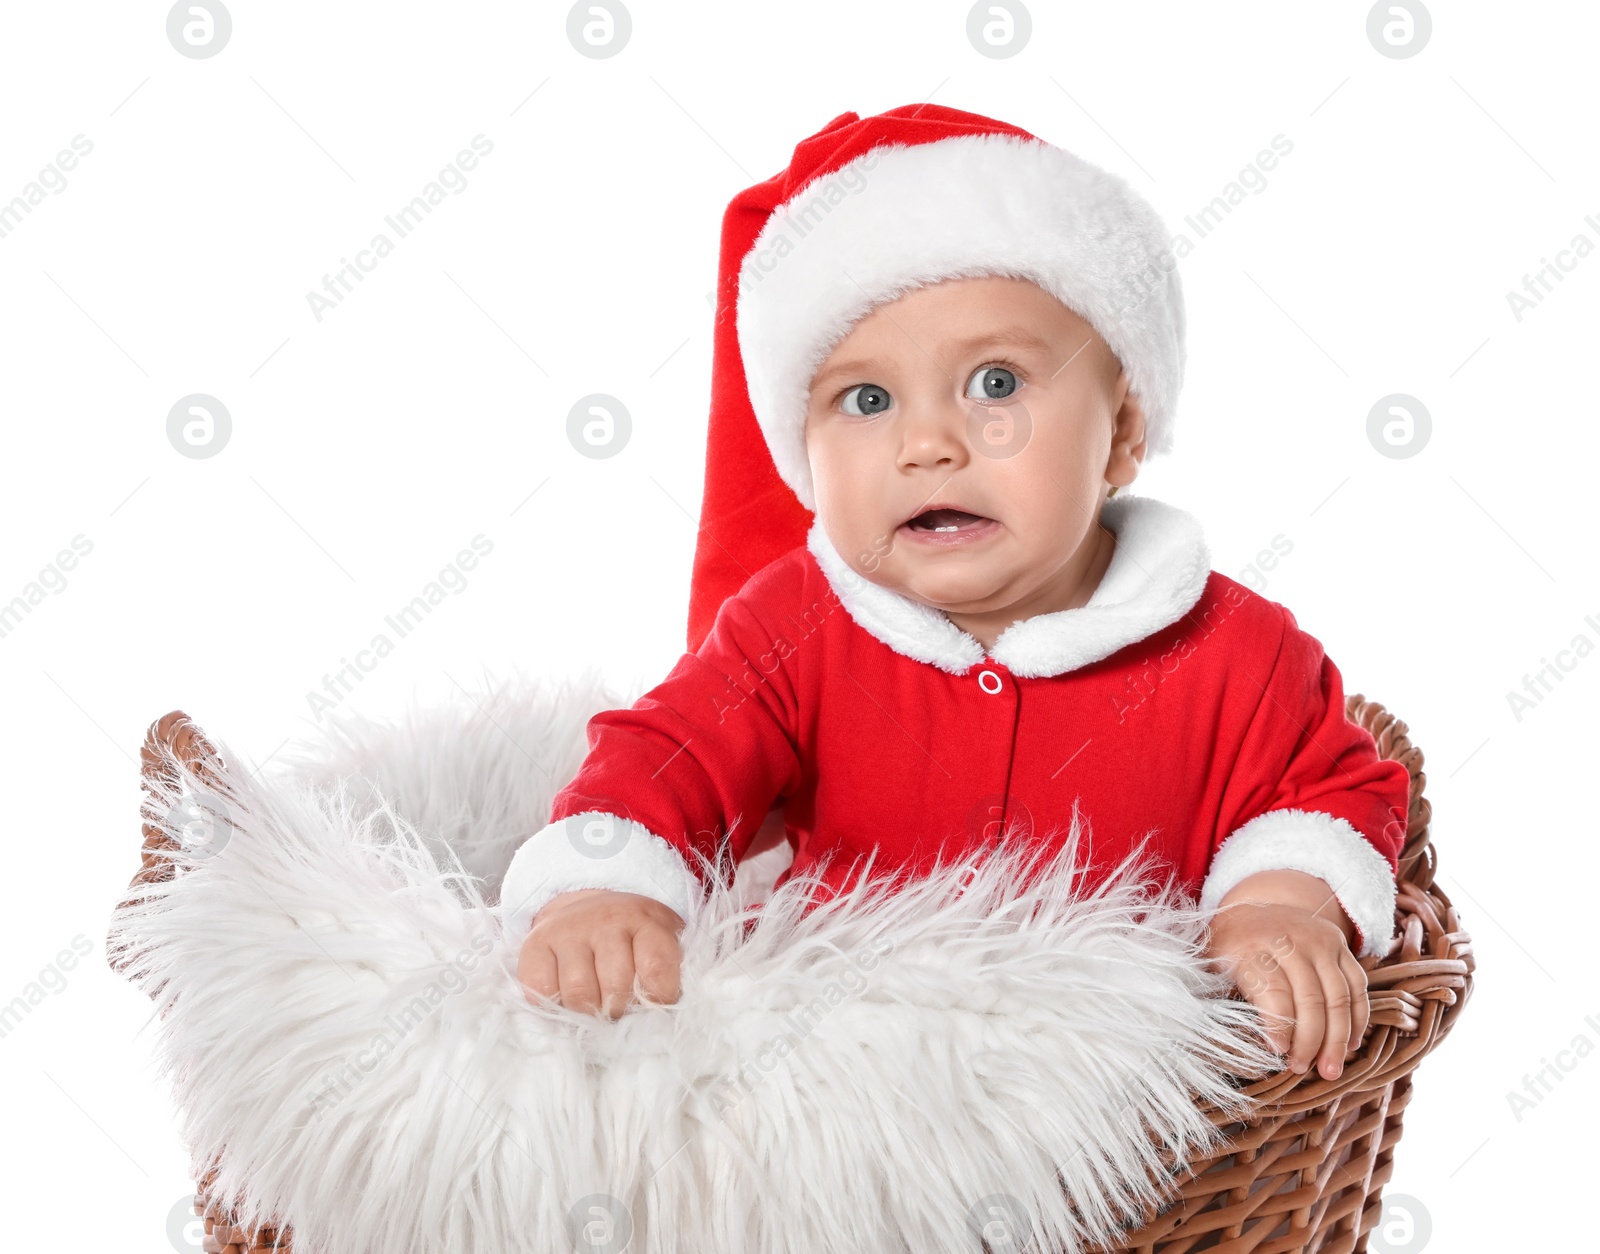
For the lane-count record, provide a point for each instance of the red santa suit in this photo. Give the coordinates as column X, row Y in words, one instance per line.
column 1176, row 711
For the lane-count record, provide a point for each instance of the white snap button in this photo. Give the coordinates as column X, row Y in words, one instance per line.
column 989, row 682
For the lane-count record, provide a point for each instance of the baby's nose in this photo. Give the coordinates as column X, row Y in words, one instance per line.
column 936, row 435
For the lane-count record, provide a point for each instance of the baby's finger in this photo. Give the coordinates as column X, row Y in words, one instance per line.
column 1310, row 1011
column 613, row 964
column 1271, row 993
column 1336, row 993
column 538, row 971
column 1361, row 1005
column 580, row 986
column 658, row 958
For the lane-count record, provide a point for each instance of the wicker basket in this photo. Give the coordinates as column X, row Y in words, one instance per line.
column 1305, row 1173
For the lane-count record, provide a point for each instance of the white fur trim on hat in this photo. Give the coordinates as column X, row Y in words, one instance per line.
column 897, row 218
column 1318, row 844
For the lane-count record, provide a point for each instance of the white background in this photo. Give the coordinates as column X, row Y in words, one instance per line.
column 369, row 447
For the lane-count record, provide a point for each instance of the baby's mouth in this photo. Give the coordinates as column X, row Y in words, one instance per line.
column 945, row 520
column 946, row 525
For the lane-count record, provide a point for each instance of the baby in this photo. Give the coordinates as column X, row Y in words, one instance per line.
column 956, row 344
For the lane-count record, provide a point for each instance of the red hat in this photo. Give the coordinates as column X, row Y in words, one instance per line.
column 867, row 210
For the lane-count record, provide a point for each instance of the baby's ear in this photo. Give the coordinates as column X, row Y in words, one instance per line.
column 1130, row 428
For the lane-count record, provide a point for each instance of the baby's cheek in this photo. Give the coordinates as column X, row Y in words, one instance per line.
column 855, row 531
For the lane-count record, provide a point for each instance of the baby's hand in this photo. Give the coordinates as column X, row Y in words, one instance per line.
column 1292, row 962
column 586, row 946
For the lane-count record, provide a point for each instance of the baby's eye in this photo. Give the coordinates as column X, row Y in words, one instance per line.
column 993, row 383
column 864, row 400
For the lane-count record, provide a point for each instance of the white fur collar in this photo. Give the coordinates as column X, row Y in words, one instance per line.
column 1156, row 575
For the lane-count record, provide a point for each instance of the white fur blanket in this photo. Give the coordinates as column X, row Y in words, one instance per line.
column 990, row 1055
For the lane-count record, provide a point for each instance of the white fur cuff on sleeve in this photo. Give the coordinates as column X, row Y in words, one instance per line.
column 1318, row 844
column 593, row 850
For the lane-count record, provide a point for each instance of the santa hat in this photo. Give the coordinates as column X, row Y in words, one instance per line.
column 867, row 210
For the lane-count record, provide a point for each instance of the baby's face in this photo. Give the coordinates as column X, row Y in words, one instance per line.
column 986, row 396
